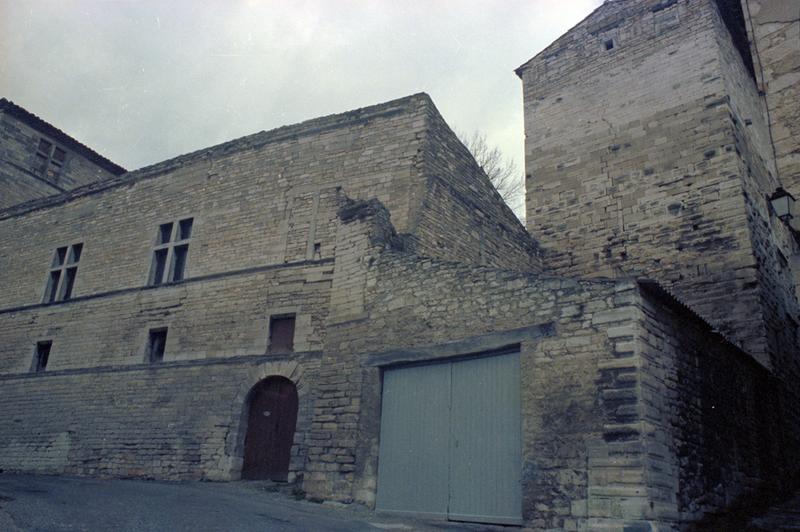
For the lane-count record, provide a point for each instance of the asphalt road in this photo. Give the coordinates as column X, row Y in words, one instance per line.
column 58, row 503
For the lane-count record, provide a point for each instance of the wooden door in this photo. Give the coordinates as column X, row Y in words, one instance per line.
column 271, row 422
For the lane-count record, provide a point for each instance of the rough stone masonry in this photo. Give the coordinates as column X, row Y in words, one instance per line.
column 651, row 301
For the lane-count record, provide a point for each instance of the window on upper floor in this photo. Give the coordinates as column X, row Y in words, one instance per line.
column 170, row 252
column 42, row 355
column 281, row 334
column 63, row 269
column 49, row 157
column 156, row 344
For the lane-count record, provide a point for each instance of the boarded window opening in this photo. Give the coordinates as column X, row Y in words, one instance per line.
column 42, row 355
column 281, row 334
column 156, row 343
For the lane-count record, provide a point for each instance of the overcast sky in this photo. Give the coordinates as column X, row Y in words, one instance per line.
column 143, row 81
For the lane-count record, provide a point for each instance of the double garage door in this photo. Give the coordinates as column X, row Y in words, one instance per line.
column 450, row 440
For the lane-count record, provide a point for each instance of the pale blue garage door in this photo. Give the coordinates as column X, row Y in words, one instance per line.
column 450, row 440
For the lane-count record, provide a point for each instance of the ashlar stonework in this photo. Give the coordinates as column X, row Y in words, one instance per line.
column 650, row 303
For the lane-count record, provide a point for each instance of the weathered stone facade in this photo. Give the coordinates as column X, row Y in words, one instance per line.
column 28, row 172
column 649, row 152
column 774, row 30
column 651, row 157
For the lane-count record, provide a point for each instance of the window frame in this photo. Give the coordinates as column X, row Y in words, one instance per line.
column 277, row 317
column 56, row 288
column 152, row 332
column 44, row 159
column 37, row 366
column 163, row 272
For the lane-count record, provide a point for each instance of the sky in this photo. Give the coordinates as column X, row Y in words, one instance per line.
column 141, row 81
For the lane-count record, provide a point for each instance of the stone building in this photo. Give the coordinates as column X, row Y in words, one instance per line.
column 40, row 160
column 347, row 303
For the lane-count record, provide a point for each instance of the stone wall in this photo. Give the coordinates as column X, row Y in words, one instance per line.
column 176, row 420
column 269, row 199
column 581, row 460
column 774, row 31
column 651, row 157
column 462, row 217
column 267, row 238
column 220, row 316
column 772, row 242
column 714, row 415
column 20, row 179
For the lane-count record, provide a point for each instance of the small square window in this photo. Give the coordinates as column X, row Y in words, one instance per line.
column 609, row 44
column 156, row 343
column 281, row 334
column 42, row 355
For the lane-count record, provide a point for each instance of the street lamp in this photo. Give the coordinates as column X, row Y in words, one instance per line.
column 783, row 204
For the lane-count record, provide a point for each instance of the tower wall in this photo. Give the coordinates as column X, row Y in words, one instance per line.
column 648, row 153
column 774, row 31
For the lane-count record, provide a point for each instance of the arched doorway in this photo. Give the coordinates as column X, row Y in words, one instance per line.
column 271, row 421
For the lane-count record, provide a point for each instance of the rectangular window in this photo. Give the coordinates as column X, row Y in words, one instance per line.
column 156, row 342
column 42, row 355
column 170, row 252
column 63, row 270
column 281, row 334
column 49, row 157
column 179, row 261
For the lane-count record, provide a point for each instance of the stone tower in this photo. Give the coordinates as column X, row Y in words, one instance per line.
column 649, row 152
